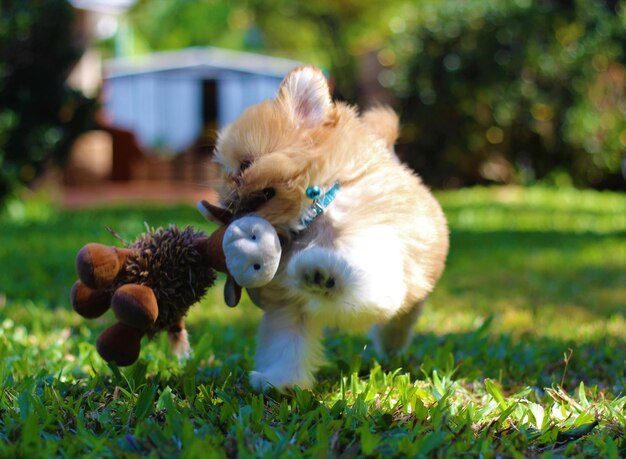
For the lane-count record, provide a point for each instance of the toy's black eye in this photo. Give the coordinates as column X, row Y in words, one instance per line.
column 245, row 165
column 257, row 266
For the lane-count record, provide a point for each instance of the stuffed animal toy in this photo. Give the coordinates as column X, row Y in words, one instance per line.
column 151, row 284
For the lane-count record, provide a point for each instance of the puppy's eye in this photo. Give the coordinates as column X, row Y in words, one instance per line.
column 269, row 193
column 252, row 202
column 245, row 165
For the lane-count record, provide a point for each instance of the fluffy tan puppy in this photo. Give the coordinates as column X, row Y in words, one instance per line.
column 369, row 259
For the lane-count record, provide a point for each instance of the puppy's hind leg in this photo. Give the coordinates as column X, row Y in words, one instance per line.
column 179, row 340
column 394, row 336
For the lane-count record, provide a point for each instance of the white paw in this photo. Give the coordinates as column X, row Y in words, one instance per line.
column 259, row 381
column 179, row 343
column 319, row 271
column 389, row 342
column 262, row 381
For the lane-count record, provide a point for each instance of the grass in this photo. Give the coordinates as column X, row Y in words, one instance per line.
column 521, row 350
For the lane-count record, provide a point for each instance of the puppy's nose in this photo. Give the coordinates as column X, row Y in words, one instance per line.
column 254, row 201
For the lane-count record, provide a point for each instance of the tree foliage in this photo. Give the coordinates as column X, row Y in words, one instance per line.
column 489, row 90
column 515, row 91
column 39, row 115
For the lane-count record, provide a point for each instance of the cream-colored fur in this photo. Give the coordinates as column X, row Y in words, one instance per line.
column 370, row 259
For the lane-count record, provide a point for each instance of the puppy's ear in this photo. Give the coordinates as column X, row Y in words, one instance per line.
column 305, row 95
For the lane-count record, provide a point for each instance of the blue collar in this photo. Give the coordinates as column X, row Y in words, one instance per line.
column 319, row 205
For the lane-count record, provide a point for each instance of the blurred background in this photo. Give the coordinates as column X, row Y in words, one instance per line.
column 514, row 111
column 106, row 93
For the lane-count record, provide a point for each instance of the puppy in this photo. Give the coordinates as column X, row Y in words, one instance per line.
column 364, row 241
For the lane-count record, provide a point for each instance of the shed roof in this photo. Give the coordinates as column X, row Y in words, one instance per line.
column 104, row 6
column 199, row 57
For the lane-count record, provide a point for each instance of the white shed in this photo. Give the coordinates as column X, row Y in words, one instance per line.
column 171, row 99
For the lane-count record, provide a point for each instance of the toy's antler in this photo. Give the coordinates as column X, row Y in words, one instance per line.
column 99, row 264
column 134, row 305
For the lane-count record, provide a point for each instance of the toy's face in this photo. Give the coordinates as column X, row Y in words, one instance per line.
column 252, row 251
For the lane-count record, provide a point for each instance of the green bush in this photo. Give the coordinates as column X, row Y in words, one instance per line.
column 39, row 115
column 514, row 91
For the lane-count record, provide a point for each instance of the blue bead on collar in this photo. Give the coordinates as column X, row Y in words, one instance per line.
column 320, row 202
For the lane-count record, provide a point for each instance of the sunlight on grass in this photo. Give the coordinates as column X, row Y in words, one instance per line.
column 539, row 209
column 519, row 351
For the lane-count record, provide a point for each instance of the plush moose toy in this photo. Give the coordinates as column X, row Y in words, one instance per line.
column 151, row 284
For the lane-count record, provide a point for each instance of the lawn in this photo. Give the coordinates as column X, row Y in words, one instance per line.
column 521, row 350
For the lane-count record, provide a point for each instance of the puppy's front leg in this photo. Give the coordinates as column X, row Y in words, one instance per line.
column 289, row 350
column 357, row 282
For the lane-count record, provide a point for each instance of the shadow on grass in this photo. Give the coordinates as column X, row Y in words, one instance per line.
column 488, row 271
column 582, row 270
column 537, row 269
column 37, row 257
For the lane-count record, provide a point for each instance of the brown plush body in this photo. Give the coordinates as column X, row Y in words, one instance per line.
column 150, row 286
column 176, row 266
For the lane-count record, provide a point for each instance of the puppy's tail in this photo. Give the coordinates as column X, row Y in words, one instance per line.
column 383, row 122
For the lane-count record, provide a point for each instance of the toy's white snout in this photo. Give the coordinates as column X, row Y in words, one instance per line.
column 252, row 251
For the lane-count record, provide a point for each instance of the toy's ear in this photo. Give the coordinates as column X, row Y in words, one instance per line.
column 305, row 95
column 214, row 214
column 232, row 292
column 98, row 265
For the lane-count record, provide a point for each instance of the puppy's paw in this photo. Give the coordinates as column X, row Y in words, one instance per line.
column 179, row 343
column 388, row 342
column 319, row 271
column 318, row 280
column 261, row 381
